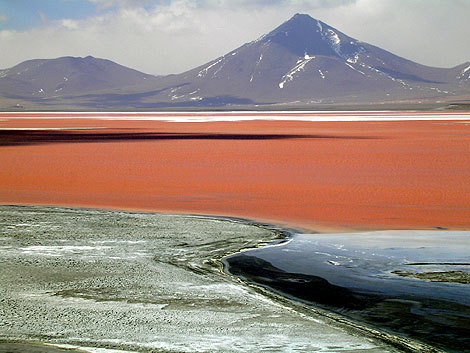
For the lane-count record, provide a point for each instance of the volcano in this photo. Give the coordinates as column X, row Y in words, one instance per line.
column 305, row 60
column 302, row 62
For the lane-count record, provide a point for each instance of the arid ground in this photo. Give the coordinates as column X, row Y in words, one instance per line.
column 314, row 175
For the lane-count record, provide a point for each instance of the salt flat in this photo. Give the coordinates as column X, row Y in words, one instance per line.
column 314, row 116
column 142, row 282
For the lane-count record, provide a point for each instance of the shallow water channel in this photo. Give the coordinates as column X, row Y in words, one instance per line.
column 413, row 283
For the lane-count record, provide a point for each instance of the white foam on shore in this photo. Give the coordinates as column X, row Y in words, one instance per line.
column 61, row 250
column 87, row 349
column 320, row 116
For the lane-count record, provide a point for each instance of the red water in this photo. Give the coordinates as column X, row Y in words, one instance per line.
column 407, row 174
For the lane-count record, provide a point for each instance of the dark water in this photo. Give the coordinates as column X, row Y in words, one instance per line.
column 411, row 283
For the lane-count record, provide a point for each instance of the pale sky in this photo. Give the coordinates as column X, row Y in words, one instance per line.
column 172, row 36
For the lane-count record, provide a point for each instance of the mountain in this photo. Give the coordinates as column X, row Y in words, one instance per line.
column 45, row 78
column 304, row 62
column 309, row 61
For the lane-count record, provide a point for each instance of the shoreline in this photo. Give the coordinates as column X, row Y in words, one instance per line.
column 319, row 288
column 292, row 227
column 278, row 235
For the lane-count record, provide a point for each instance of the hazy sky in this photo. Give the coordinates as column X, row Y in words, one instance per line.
column 171, row 36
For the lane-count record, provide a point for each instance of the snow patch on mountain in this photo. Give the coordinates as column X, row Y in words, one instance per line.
column 319, row 25
column 258, row 62
column 258, row 40
column 300, row 66
column 334, row 41
column 386, row 75
column 438, row 90
column 204, row 71
column 355, row 58
column 334, row 38
column 462, row 74
column 218, row 70
column 352, row 67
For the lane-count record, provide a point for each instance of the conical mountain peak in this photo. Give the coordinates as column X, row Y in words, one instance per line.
column 299, row 24
column 302, row 17
column 303, row 34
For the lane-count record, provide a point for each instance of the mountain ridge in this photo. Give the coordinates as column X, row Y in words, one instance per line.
column 303, row 61
column 67, row 75
column 354, row 67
